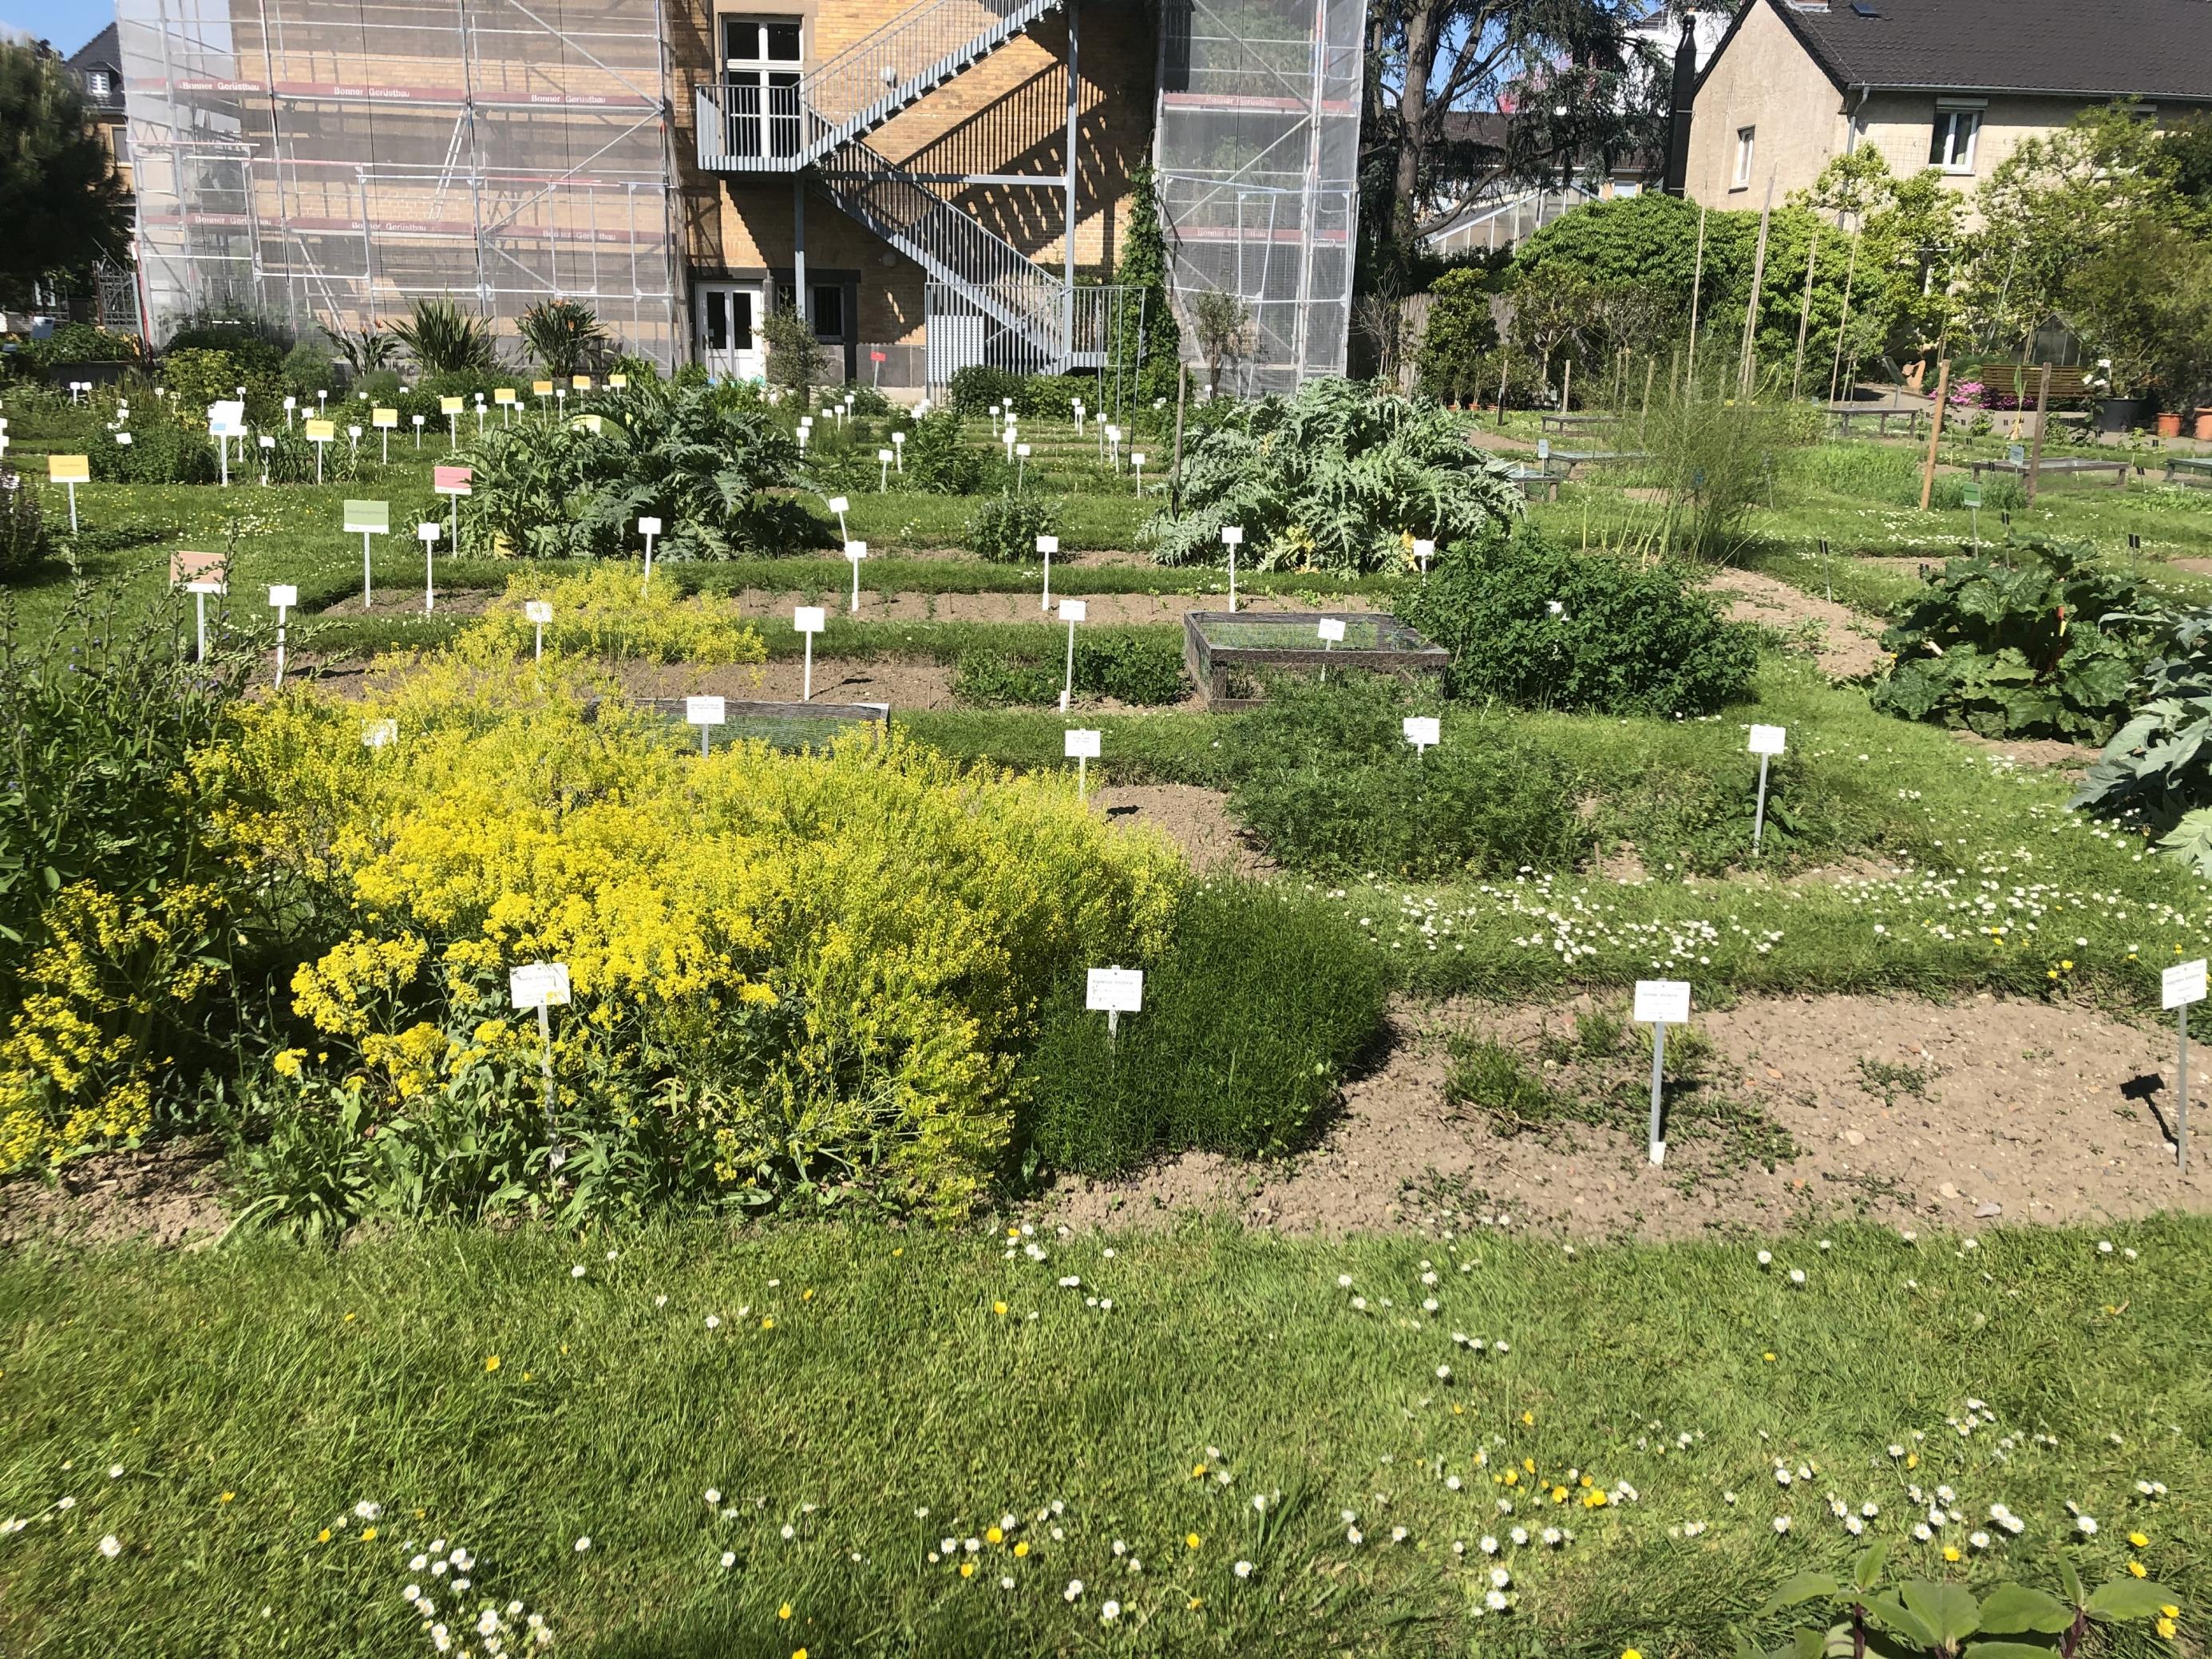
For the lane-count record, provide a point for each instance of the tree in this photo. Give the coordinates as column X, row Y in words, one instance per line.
column 1144, row 272
column 1911, row 244
column 1578, row 87
column 1224, row 325
column 58, row 197
column 794, row 361
column 1460, row 336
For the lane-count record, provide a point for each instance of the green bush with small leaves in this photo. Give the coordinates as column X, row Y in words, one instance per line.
column 1003, row 529
column 976, row 387
column 23, row 541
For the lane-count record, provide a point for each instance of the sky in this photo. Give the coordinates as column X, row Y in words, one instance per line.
column 67, row 23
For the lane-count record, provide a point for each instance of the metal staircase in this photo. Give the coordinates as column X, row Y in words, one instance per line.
column 859, row 90
column 817, row 123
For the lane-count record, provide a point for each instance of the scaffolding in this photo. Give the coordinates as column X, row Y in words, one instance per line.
column 1257, row 155
column 332, row 161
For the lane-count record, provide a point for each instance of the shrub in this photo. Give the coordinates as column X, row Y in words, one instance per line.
column 1052, row 397
column 602, row 614
column 1003, row 529
column 23, row 541
column 1459, row 338
column 1129, row 667
column 1326, row 781
column 197, row 377
column 2041, row 643
column 976, row 387
column 793, row 355
column 1341, row 477
column 309, row 368
column 2156, row 773
column 938, row 461
column 161, row 451
column 564, row 336
column 1258, row 1006
column 793, row 972
column 1625, row 638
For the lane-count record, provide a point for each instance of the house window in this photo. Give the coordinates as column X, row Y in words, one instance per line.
column 96, row 82
column 1624, row 188
column 761, row 58
column 1745, row 137
column 829, row 310
column 1951, row 146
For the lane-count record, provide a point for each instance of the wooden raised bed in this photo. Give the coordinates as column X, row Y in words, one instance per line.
column 1224, row 648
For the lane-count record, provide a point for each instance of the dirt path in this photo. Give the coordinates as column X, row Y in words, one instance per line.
column 1906, row 1112
column 1848, row 641
column 169, row 1194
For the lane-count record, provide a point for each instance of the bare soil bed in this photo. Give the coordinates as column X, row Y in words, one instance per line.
column 1906, row 1112
column 1848, row 644
column 1025, row 608
column 167, row 1195
column 1196, row 820
column 404, row 601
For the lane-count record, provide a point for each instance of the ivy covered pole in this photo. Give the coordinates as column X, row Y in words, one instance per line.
column 1935, row 434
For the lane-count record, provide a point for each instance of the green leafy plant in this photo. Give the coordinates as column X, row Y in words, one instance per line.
column 564, row 336
column 2034, row 642
column 793, row 355
column 1540, row 626
column 1003, row 529
column 1127, row 666
column 938, row 461
column 974, row 388
column 1223, row 324
column 364, row 350
column 445, row 339
column 23, row 541
column 161, row 451
column 1341, row 477
column 1253, row 1013
column 2155, row 775
column 1924, row 1619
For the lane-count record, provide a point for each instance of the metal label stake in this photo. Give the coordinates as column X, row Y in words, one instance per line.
column 2179, row 986
column 1766, row 741
column 1661, row 1003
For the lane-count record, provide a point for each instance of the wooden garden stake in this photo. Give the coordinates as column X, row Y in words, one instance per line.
column 1843, row 326
column 1805, row 314
column 1174, row 463
column 2042, row 421
column 1935, row 433
column 1750, row 354
column 1697, row 290
column 1766, row 742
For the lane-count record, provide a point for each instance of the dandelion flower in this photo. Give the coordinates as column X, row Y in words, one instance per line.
column 110, row 1547
column 491, row 1363
column 1191, row 1541
column 2139, row 1539
column 583, row 1543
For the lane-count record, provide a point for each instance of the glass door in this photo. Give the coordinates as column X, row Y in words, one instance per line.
column 760, row 80
column 727, row 318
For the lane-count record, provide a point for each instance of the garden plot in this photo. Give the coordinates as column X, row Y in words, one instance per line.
column 1229, row 652
column 1844, row 642
column 905, row 605
column 1910, row 1113
column 1196, row 820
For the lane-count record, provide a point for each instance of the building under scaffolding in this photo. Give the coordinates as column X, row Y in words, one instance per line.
column 332, row 161
column 1257, row 155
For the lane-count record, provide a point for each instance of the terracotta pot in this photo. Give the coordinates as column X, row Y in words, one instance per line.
column 2169, row 424
column 2202, row 432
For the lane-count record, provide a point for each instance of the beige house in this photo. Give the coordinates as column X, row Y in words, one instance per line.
column 1953, row 84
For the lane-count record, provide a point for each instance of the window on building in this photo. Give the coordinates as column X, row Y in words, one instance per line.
column 760, row 85
column 1951, row 146
column 96, row 82
column 1624, row 188
column 1745, row 139
column 829, row 312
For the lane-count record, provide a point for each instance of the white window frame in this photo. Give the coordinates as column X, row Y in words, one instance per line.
column 96, row 82
column 1746, row 145
column 1948, row 112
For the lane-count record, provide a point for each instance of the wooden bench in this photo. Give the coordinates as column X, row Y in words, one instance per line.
column 1881, row 414
column 2188, row 469
column 2054, row 466
column 2067, row 385
column 1570, row 422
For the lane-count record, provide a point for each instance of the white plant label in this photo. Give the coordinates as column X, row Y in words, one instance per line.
column 856, row 551
column 538, row 985
column 1074, row 611
column 1232, row 535
column 809, row 618
column 1114, row 990
column 1080, row 746
column 206, row 587
column 1767, row 740
column 538, row 611
column 1047, row 544
column 1663, row 1001
column 2182, row 984
column 840, row 504
column 1423, row 731
column 705, row 711
column 283, row 596
column 428, row 533
column 379, row 734
column 648, row 527
column 1332, row 629
column 226, row 419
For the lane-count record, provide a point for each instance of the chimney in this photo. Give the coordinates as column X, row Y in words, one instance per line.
column 1677, row 174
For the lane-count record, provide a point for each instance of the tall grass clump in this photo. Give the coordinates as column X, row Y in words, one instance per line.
column 1714, row 457
column 1259, row 1005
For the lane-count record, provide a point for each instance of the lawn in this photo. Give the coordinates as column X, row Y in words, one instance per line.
column 767, row 1437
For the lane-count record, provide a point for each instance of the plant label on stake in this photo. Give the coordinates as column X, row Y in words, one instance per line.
column 1046, row 547
column 71, row 470
column 319, row 433
column 1232, row 538
column 454, row 482
column 282, row 597
column 1081, row 747
column 539, row 612
column 1970, row 497
column 855, row 551
column 226, row 421
column 451, row 409
column 384, row 420
column 840, row 505
column 428, row 533
column 649, row 528
column 1424, row 732
column 367, row 518
column 1424, row 551
column 417, row 421
column 883, row 471
column 1021, row 463
column 1766, row 742
column 504, row 397
column 1137, row 460
column 1661, row 1003
column 542, row 986
column 898, row 449
column 1072, row 611
column 706, row 714
column 199, row 575
column 808, row 620
column 2179, row 986
column 1114, row 992
column 1331, row 629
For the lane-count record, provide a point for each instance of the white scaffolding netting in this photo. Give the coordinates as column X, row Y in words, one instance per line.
column 1257, row 155
column 330, row 161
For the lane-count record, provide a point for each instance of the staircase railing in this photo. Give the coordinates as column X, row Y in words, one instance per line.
column 856, row 91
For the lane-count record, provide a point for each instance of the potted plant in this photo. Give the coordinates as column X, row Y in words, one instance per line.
column 2168, row 423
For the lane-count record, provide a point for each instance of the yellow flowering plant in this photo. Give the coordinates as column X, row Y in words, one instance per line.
column 602, row 613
